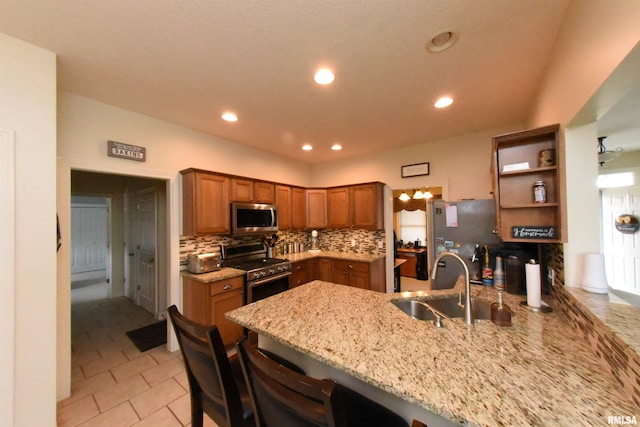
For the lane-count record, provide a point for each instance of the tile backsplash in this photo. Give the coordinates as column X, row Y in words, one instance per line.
column 357, row 241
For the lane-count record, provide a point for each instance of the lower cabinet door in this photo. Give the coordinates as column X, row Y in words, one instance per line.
column 221, row 303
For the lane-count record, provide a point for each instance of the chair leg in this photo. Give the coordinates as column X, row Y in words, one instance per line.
column 197, row 413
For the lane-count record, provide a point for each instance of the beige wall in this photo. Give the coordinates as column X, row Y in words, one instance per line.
column 28, row 108
column 593, row 41
column 86, row 125
column 461, row 165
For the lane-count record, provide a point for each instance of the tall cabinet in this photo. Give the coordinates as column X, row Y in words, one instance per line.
column 521, row 161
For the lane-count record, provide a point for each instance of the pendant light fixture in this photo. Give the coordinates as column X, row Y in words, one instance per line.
column 418, row 195
column 404, row 196
column 427, row 194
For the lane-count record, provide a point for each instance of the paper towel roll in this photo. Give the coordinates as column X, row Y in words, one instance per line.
column 532, row 271
column 594, row 278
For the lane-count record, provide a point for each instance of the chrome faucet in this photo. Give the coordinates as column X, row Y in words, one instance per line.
column 468, row 312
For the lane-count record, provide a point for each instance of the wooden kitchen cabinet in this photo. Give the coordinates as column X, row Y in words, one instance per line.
column 250, row 191
column 367, row 206
column 207, row 303
column 301, row 273
column 298, row 208
column 264, row 192
column 364, row 275
column 205, row 203
column 356, row 206
column 316, row 208
column 324, row 269
column 241, row 190
column 285, row 207
column 519, row 218
column 338, row 207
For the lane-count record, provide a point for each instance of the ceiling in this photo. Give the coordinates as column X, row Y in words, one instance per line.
column 187, row 62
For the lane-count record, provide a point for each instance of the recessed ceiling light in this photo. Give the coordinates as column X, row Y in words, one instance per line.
column 442, row 41
column 229, row 117
column 443, row 102
column 307, row 147
column 324, row 76
column 336, row 147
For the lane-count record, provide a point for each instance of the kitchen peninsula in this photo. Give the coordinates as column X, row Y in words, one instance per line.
column 538, row 372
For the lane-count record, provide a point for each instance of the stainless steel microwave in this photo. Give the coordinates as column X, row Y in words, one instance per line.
column 253, row 218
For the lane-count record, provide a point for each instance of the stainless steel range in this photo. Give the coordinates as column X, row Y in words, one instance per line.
column 265, row 276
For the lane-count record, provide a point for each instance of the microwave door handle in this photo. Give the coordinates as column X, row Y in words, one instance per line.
column 273, row 217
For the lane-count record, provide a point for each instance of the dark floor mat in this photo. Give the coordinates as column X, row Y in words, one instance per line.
column 149, row 336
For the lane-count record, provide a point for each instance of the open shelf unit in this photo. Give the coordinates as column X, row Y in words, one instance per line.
column 519, row 218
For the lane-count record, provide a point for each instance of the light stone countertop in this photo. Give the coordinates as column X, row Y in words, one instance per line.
column 222, row 274
column 619, row 316
column 348, row 256
column 538, row 372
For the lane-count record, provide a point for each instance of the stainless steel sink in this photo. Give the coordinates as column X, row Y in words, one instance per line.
column 452, row 308
column 416, row 309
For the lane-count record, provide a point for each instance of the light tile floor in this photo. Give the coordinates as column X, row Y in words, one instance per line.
column 113, row 383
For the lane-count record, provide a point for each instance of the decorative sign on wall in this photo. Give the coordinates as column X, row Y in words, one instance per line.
column 627, row 224
column 417, row 169
column 126, row 151
column 533, row 232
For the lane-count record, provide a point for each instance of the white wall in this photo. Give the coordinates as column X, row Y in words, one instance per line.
column 594, row 39
column 28, row 107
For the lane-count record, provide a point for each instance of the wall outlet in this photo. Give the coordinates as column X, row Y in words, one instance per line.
column 379, row 244
column 551, row 274
column 353, row 242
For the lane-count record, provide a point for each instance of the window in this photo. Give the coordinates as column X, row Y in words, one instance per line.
column 412, row 225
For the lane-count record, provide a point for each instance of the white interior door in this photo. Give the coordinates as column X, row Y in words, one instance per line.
column 146, row 249
column 621, row 251
column 89, row 239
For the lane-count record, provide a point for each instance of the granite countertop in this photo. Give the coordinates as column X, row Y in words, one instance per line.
column 222, row 274
column 538, row 372
column 619, row 316
column 349, row 256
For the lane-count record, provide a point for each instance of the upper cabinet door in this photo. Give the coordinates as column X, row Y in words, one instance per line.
column 338, row 207
column 316, row 208
column 241, row 190
column 205, row 203
column 263, row 192
column 366, row 203
column 285, row 208
column 298, row 208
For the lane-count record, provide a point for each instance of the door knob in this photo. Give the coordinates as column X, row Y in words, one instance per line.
column 152, row 259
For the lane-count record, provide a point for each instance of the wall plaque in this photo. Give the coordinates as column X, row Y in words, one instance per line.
column 627, row 224
column 126, row 151
column 533, row 232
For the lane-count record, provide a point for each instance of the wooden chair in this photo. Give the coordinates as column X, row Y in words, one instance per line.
column 216, row 384
column 281, row 397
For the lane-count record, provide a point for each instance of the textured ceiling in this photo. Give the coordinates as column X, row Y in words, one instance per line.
column 188, row 61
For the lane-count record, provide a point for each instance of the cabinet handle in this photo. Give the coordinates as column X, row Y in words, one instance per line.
column 227, row 287
column 350, row 266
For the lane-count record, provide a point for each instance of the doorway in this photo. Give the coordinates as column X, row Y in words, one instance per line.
column 621, row 247
column 410, row 234
column 126, row 217
column 90, row 249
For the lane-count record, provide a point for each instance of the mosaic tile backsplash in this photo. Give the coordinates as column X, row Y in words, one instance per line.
column 365, row 242
column 613, row 353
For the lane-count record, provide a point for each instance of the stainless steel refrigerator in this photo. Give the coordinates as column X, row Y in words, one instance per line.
column 458, row 227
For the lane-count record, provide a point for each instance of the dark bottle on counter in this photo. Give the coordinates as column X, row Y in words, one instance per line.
column 500, row 312
column 487, row 272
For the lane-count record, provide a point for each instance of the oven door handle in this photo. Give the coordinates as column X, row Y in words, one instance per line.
column 269, row 279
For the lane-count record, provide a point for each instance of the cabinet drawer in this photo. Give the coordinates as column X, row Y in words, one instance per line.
column 351, row 265
column 227, row 285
